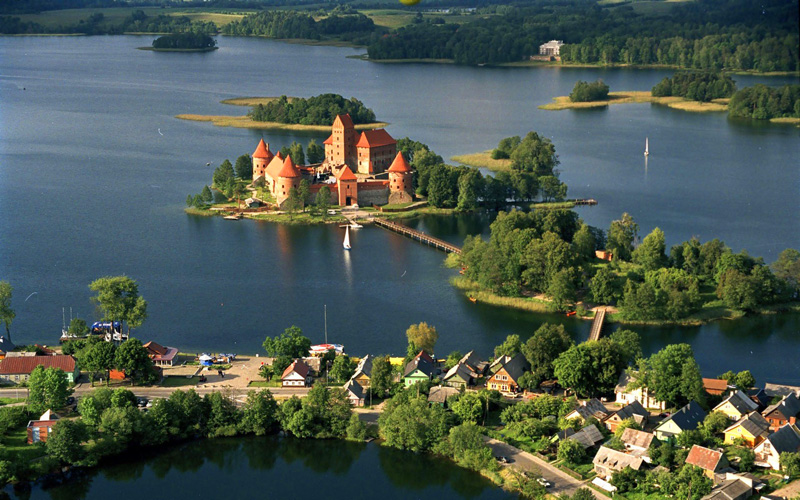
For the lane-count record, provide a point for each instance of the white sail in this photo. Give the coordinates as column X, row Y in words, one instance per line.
column 646, row 147
column 346, row 243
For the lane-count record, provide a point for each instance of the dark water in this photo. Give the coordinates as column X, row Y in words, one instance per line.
column 251, row 468
column 94, row 169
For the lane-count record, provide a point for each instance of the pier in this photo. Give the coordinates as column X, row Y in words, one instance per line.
column 597, row 324
column 417, row 235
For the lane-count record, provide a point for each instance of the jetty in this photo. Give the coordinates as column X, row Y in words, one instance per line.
column 597, row 324
column 417, row 235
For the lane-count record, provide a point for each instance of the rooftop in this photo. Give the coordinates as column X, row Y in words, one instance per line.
column 26, row 364
column 704, row 458
column 375, row 138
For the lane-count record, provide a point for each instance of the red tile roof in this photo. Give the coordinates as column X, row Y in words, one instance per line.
column 375, row 138
column 347, row 175
column 298, row 367
column 279, row 155
column 704, row 458
column 715, row 386
column 289, row 169
column 155, row 349
column 399, row 164
column 26, row 364
column 343, row 121
column 329, row 140
column 262, row 151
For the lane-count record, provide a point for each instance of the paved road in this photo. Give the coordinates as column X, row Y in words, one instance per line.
column 791, row 490
column 524, row 461
column 163, row 392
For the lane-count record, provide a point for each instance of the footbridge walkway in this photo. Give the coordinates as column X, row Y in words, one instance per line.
column 417, row 235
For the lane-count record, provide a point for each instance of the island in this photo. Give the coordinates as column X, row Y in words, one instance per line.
column 183, row 42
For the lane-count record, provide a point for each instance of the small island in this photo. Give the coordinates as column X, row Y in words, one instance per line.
column 183, row 42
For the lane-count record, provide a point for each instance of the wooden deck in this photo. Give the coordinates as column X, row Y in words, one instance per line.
column 417, row 235
column 597, row 324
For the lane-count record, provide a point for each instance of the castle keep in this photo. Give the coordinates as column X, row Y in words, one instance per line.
column 363, row 168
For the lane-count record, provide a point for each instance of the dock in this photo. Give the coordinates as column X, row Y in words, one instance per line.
column 597, row 324
column 417, row 235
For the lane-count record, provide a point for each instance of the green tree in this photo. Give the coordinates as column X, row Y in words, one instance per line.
column 99, row 358
column 621, row 235
column 534, row 154
column 787, row 268
column 562, row 290
column 410, row 423
column 295, row 150
column 571, row 451
column 47, row 389
column 629, row 344
column 266, row 372
column 452, row 359
column 314, row 153
column 468, row 407
column 423, row 336
column 381, row 379
column 790, row 463
column 290, row 343
column 543, row 348
column 244, row 167
column 583, row 243
column 64, row 443
column 189, row 200
column 206, row 196
column 511, row 346
column 223, row 174
column 118, row 300
column 323, row 201
column 132, row 358
column 77, row 327
column 343, row 368
column 714, row 423
column 672, row 375
column 293, row 202
column 222, row 414
column 650, row 254
column 470, row 187
column 280, row 363
column 7, row 314
column 469, row 449
column 591, row 368
column 626, row 479
column 603, row 286
column 745, row 380
column 552, row 189
column 356, row 428
column 304, row 191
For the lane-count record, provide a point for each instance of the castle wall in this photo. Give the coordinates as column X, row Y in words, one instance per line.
column 370, row 196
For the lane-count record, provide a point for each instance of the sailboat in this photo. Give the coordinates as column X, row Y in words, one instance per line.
column 646, row 147
column 346, row 243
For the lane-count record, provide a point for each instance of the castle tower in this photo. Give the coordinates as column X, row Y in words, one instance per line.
column 401, row 177
column 340, row 147
column 289, row 177
column 261, row 158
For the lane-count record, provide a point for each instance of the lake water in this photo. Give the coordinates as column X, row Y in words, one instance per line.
column 94, row 171
column 278, row 468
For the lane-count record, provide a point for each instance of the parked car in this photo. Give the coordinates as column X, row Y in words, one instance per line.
column 502, row 459
column 544, row 482
column 141, row 402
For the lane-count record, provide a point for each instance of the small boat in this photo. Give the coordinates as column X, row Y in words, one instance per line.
column 346, row 243
column 571, row 313
column 235, row 216
column 355, row 225
column 472, row 299
column 646, row 147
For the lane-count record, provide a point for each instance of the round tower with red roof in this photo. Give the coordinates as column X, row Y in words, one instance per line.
column 261, row 158
column 401, row 177
column 289, row 177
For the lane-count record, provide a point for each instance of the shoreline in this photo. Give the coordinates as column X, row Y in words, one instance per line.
column 246, row 122
column 305, row 218
column 626, row 97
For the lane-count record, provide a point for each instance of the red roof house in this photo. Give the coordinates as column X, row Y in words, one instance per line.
column 375, row 138
column 715, row 386
column 711, row 461
column 161, row 356
column 18, row 369
column 298, row 374
column 38, row 430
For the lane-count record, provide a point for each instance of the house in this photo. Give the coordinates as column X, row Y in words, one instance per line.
column 161, row 356
column 626, row 393
column 592, row 408
column 561, row 435
column 732, row 488
column 715, row 386
column 18, row 369
column 506, row 378
column 711, row 461
column 785, row 439
column 459, row 376
column 6, row 346
column 784, row 412
column 737, row 405
column 355, row 393
column 364, row 371
column 633, row 410
column 604, row 255
column 588, row 437
column 498, row 363
column 38, row 430
column 774, row 390
column 298, row 374
column 419, row 369
column 637, row 442
column 474, row 363
column 440, row 394
column 551, row 48
column 685, row 419
column 752, row 429
column 760, row 397
column 608, row 461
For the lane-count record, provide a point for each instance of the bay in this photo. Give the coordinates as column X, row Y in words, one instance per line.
column 94, row 169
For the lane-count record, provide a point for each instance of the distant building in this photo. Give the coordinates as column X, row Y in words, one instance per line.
column 363, row 372
column 588, row 437
column 786, row 439
column 507, row 375
column 608, row 461
column 419, row 369
column 439, row 395
column 298, row 374
column 6, row 346
column 161, row 356
column 633, row 410
column 715, row 386
column 355, row 393
column 592, row 408
column 551, row 48
column 637, row 442
column 737, row 405
column 18, row 369
column 752, row 429
column 626, row 394
column 38, row 430
column 685, row 419
column 711, row 461
column 786, row 411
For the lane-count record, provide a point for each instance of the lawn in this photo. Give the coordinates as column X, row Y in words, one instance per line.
column 264, row 383
column 483, row 160
column 8, row 401
column 16, row 442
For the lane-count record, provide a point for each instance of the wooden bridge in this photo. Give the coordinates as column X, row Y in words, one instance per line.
column 597, row 324
column 417, row 235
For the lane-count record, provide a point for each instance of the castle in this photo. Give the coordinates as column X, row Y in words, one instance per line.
column 381, row 175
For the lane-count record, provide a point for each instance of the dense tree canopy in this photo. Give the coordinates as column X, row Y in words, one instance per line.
column 184, row 41
column 701, row 86
column 290, row 343
column 317, row 110
column 585, row 91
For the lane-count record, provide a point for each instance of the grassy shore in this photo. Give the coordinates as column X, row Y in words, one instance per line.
column 483, row 160
column 472, row 289
column 625, row 97
column 246, row 122
column 788, row 121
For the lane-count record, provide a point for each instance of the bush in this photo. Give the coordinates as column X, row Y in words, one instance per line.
column 587, row 92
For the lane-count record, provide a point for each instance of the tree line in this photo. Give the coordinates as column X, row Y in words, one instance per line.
column 98, row 24
column 703, row 86
column 184, row 41
column 316, row 110
column 761, row 102
column 295, row 24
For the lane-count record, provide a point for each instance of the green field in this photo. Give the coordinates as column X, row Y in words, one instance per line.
column 54, row 18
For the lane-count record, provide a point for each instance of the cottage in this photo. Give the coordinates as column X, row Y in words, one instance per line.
column 419, row 369
column 685, row 419
column 588, row 437
column 18, row 369
column 298, row 374
column 459, row 376
column 785, row 439
column 736, row 406
column 592, row 408
column 498, row 363
column 752, row 429
column 355, row 393
column 784, row 412
column 608, row 461
column 38, row 430
column 759, row 397
column 474, row 363
column 734, row 488
column 711, row 461
column 506, row 378
column 715, row 386
column 637, row 442
column 633, row 410
column 364, row 371
column 161, row 356
column 563, row 434
column 627, row 394
column 440, row 394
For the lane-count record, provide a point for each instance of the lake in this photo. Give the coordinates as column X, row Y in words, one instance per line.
column 264, row 467
column 94, row 171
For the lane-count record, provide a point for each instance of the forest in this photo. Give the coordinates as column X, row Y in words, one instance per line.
column 184, row 41
column 317, row 110
column 96, row 24
column 700, row 86
column 293, row 24
column 763, row 103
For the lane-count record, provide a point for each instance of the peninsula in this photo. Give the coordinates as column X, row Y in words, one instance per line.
column 626, row 97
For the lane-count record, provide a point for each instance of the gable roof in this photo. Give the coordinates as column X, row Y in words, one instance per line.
column 616, row 460
column 715, row 384
column 354, row 388
column 740, row 401
column 343, row 121
column 516, row 366
column 49, row 415
column 789, row 406
column 472, row 361
column 704, row 458
column 637, row 438
column 687, row 417
column 418, row 363
column 5, row 344
column 588, row 436
column 591, row 408
column 729, row 489
column 753, row 423
column 297, row 366
column 460, row 370
column 345, row 174
column 441, row 394
column 289, row 170
column 400, row 165
column 759, row 396
column 364, row 366
column 262, row 151
column 375, row 138
column 631, row 409
column 785, row 439
column 154, row 349
column 25, row 364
